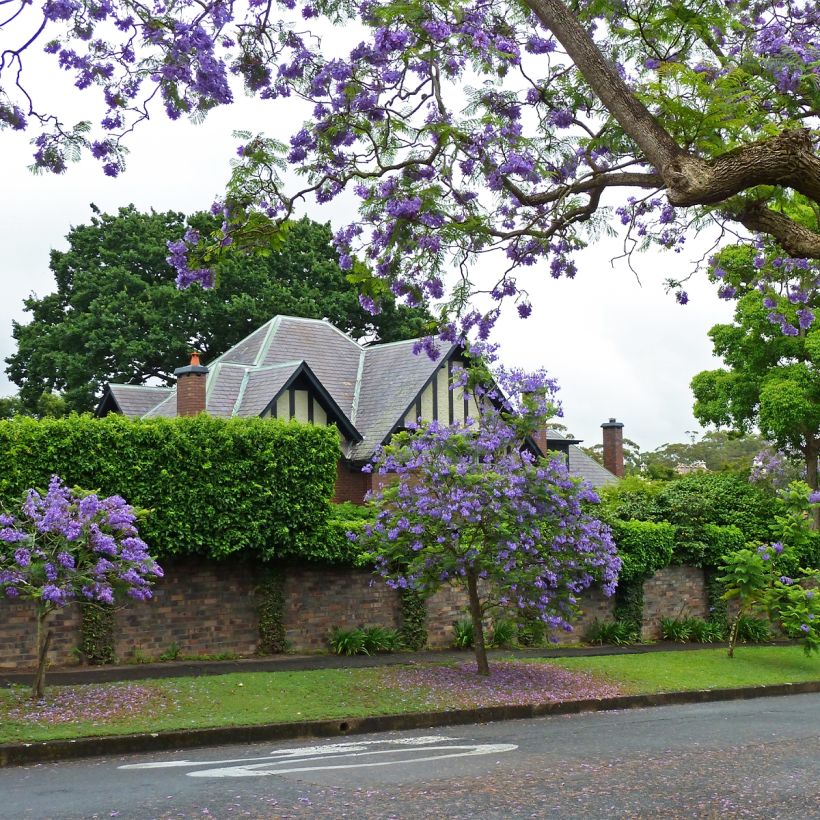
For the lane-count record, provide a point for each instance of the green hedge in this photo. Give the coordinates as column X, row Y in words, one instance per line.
column 332, row 543
column 215, row 487
column 644, row 547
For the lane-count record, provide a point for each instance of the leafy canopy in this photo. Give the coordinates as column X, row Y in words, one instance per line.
column 464, row 126
column 117, row 316
column 772, row 378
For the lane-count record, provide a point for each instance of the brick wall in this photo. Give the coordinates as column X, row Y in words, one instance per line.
column 208, row 609
column 351, row 484
column 319, row 599
column 673, row 592
column 18, row 635
column 204, row 608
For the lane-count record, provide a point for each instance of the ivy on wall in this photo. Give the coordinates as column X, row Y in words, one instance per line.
column 97, row 634
column 413, row 627
column 270, row 597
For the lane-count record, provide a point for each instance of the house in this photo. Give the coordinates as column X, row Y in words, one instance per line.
column 309, row 370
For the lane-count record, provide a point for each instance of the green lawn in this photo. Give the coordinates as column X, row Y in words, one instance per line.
column 275, row 697
column 700, row 668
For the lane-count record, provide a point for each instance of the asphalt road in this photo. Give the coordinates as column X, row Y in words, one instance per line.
column 756, row 758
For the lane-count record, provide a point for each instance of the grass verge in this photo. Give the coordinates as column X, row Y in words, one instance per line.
column 278, row 697
column 700, row 668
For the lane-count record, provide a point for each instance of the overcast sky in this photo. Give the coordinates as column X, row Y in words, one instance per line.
column 618, row 349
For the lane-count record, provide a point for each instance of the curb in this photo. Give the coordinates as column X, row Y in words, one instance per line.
column 56, row 750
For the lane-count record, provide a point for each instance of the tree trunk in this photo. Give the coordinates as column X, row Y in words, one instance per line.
column 811, row 452
column 478, row 628
column 43, row 641
column 733, row 635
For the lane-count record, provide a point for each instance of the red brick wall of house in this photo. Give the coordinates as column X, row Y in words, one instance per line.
column 351, row 483
column 191, row 394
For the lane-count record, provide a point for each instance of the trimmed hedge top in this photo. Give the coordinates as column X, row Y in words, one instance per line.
column 215, row 487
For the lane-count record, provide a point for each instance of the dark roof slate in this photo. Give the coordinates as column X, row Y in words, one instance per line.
column 372, row 386
column 135, row 400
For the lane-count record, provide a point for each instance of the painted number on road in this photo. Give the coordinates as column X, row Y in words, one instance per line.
column 352, row 755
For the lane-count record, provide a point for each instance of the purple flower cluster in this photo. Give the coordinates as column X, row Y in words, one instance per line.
column 67, row 545
column 472, row 503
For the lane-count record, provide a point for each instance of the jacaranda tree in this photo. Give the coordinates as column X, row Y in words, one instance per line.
column 65, row 546
column 469, row 505
column 463, row 126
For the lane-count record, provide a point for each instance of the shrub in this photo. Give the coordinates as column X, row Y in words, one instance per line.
column 617, row 633
column 381, row 639
column 531, row 632
column 644, row 547
column 676, row 629
column 463, row 634
column 753, row 630
column 348, row 641
column 503, row 634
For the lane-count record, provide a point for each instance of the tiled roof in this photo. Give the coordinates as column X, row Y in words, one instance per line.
column 370, row 388
column 135, row 400
column 391, row 378
column 583, row 466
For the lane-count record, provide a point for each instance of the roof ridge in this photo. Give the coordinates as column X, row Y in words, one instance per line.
column 325, row 322
column 268, row 340
column 354, row 407
column 381, row 345
column 241, row 393
column 142, row 386
column 219, row 358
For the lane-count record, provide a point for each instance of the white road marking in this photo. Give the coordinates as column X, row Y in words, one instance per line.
column 329, row 755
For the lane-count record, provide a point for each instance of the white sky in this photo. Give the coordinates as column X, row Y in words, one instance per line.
column 617, row 348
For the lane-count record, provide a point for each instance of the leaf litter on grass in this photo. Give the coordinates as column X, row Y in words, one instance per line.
column 508, row 684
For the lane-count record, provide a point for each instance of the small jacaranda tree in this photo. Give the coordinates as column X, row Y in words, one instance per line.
column 70, row 545
column 470, row 505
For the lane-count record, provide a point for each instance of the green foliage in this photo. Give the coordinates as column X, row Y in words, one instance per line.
column 504, row 634
column 413, row 628
column 97, row 634
column 753, row 630
column 721, row 499
column 720, row 541
column 644, row 547
column 270, row 606
column 381, row 639
column 531, row 632
column 616, row 633
column 771, row 379
column 632, row 498
column 365, row 640
column 347, row 641
column 331, row 543
column 171, row 653
column 628, row 609
column 117, row 314
column 697, row 630
column 215, row 487
column 463, row 634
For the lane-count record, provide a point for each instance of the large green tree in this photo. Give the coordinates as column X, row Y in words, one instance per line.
column 117, row 314
column 772, row 378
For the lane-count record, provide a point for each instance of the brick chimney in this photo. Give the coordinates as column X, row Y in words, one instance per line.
column 614, row 447
column 191, row 381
